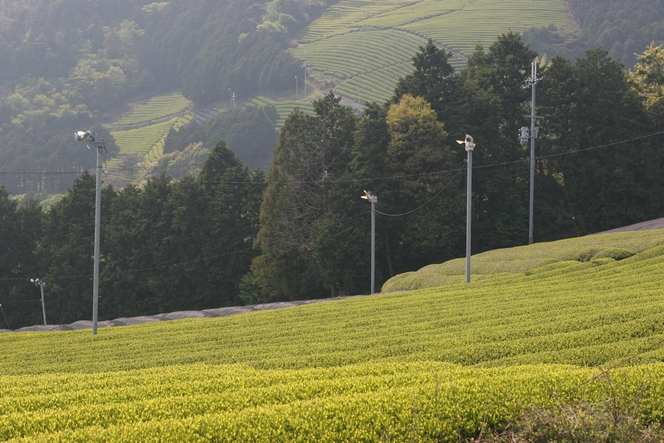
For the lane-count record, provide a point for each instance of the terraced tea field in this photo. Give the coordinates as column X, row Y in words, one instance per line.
column 434, row 364
column 366, row 45
column 153, row 110
column 284, row 108
column 143, row 130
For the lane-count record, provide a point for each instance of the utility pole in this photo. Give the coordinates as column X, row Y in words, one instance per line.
column 470, row 145
column 372, row 199
column 89, row 139
column 296, row 88
column 304, row 65
column 41, row 284
column 526, row 135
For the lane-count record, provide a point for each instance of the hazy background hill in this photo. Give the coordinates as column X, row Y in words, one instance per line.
column 78, row 64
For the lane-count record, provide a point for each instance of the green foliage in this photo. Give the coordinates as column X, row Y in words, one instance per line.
column 141, row 141
column 47, row 162
column 67, row 67
column 203, row 227
column 170, row 245
column 180, row 164
column 432, row 78
column 616, row 418
column 284, row 108
column 311, row 152
column 248, row 131
column 648, row 79
column 20, row 230
column 590, row 104
column 624, row 29
column 365, row 47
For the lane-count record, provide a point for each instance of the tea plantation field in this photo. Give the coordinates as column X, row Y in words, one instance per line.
column 142, row 131
column 365, row 46
column 578, row 320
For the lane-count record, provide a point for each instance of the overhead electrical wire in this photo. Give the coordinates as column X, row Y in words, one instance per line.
column 427, row 202
column 457, row 171
column 391, row 177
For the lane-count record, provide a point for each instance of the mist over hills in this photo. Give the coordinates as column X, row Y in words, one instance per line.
column 73, row 64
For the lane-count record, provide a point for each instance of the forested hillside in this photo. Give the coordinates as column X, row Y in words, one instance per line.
column 67, row 66
column 622, row 27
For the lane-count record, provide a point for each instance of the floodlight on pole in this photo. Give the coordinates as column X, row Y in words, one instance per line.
column 296, row 87
column 372, row 199
column 469, row 143
column 41, row 284
column 89, row 139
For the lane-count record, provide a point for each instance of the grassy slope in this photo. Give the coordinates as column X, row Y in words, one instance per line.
column 431, row 364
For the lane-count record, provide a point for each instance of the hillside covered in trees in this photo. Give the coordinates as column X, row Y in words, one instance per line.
column 69, row 65
column 230, row 236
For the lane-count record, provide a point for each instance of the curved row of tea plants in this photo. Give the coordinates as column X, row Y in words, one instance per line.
column 368, row 46
column 426, row 401
column 147, row 141
column 155, row 109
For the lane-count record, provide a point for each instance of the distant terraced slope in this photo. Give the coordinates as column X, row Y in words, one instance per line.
column 364, row 46
column 143, row 130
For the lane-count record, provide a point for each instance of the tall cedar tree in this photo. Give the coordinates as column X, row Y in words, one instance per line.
column 311, row 155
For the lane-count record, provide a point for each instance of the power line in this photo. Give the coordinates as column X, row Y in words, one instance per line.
column 391, row 177
column 429, row 201
column 607, row 145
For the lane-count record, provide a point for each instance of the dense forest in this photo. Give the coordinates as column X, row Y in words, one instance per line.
column 230, row 236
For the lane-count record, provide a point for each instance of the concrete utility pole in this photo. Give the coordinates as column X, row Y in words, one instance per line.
column 531, row 134
column 89, row 139
column 470, row 145
column 41, row 284
column 372, row 199
column 304, row 65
